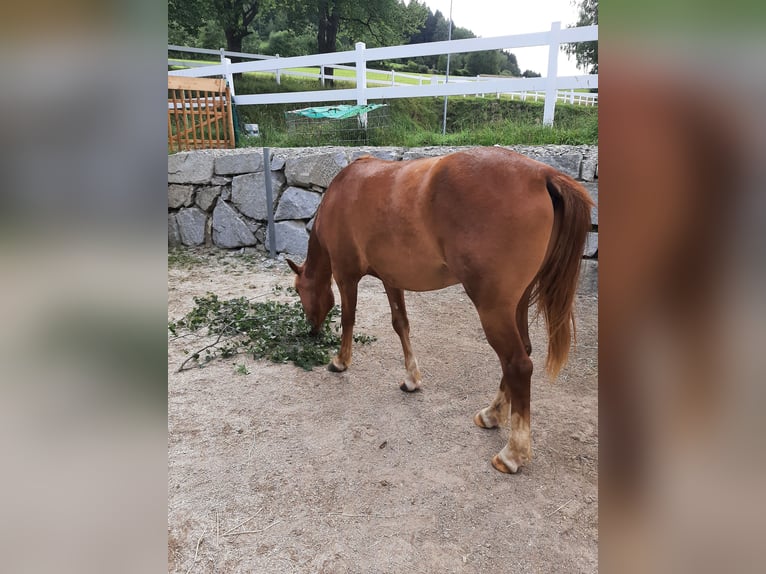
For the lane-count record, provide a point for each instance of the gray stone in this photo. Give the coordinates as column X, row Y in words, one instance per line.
column 174, row 234
column 229, row 230
column 248, row 193
column 260, row 235
column 233, row 164
column 591, row 245
column 278, row 180
column 226, row 192
column 206, row 197
column 180, row 196
column 589, row 168
column 592, row 188
column 252, row 225
column 310, row 224
column 277, row 162
column 190, row 167
column 220, row 180
column 191, row 225
column 291, row 238
column 588, row 283
column 567, row 163
column 387, row 153
column 297, row 203
column 315, row 169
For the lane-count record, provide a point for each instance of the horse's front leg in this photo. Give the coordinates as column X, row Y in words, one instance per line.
column 348, row 292
column 401, row 325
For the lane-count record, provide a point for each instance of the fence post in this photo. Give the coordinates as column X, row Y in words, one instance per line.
column 553, row 63
column 229, row 78
column 279, row 75
column 393, row 78
column 269, row 203
column 361, row 80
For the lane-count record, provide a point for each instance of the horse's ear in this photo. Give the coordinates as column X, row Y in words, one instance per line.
column 294, row 266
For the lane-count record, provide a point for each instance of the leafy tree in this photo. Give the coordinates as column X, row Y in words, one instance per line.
column 375, row 22
column 510, row 65
column 483, row 62
column 586, row 53
column 233, row 17
column 187, row 15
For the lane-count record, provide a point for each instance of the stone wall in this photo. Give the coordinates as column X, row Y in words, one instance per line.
column 218, row 197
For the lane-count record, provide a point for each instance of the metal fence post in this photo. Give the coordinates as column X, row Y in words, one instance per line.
column 269, row 203
column 553, row 64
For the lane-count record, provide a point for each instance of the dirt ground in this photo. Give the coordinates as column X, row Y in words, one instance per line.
column 282, row 470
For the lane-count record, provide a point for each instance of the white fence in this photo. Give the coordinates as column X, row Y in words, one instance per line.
column 547, row 87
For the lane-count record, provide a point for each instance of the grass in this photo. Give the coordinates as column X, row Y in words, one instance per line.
column 414, row 122
column 183, row 259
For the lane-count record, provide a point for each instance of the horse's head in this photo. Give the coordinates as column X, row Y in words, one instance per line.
column 316, row 296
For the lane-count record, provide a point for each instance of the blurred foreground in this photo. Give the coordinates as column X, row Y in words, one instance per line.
column 682, row 312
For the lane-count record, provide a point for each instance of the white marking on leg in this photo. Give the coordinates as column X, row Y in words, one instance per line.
column 519, row 439
column 507, row 458
column 488, row 423
column 412, row 380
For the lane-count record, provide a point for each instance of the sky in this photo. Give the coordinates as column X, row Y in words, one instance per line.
column 488, row 18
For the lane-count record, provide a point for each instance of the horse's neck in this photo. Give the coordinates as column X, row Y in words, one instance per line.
column 317, row 261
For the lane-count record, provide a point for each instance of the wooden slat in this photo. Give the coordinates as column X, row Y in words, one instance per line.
column 206, row 84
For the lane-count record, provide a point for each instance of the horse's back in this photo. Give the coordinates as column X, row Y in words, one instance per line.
column 416, row 223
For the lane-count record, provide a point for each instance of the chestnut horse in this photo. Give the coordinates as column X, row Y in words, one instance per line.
column 510, row 229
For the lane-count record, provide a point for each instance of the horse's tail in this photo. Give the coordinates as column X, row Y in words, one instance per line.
column 556, row 282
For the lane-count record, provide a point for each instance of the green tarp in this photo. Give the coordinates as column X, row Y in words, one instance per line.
column 336, row 112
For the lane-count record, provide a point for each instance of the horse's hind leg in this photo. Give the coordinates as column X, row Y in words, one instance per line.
column 522, row 320
column 496, row 414
column 348, row 293
column 401, row 325
column 504, row 337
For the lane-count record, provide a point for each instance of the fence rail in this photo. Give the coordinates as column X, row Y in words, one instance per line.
column 550, row 85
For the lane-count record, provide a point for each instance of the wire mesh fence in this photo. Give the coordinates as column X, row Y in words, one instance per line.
column 337, row 125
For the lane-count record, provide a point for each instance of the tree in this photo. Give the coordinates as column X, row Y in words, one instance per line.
column 234, row 17
column 586, row 53
column 375, row 22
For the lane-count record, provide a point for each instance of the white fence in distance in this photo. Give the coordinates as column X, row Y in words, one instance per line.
column 547, row 87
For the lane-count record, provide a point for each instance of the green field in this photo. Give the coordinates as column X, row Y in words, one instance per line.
column 415, row 122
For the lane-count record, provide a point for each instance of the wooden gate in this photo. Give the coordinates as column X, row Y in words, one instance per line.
column 199, row 114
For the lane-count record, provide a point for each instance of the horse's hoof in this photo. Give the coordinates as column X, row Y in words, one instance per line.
column 479, row 419
column 334, row 367
column 506, row 462
column 501, row 466
column 409, row 386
